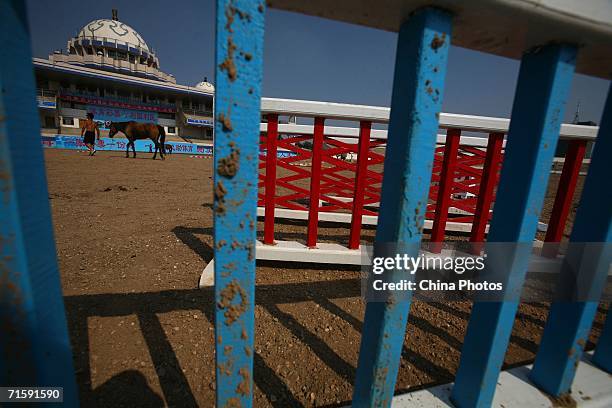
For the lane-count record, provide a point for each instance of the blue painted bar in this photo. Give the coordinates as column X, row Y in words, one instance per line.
column 568, row 324
column 603, row 353
column 35, row 349
column 543, row 85
column 239, row 66
column 418, row 85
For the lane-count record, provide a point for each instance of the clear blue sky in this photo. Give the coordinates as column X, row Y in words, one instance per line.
column 305, row 57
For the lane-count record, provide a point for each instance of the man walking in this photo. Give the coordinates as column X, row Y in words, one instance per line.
column 90, row 129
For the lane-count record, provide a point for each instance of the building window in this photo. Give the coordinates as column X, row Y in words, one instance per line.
column 49, row 122
column 171, row 129
column 166, row 115
column 67, row 121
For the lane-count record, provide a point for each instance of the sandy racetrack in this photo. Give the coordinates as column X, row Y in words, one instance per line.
column 133, row 236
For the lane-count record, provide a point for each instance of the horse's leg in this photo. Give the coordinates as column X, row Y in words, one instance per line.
column 134, row 148
column 127, row 149
column 156, row 147
column 162, row 151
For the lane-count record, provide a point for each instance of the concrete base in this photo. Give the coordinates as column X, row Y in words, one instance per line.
column 592, row 388
column 345, row 218
column 325, row 253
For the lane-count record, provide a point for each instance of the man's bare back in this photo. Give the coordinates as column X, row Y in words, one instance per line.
column 89, row 125
column 90, row 131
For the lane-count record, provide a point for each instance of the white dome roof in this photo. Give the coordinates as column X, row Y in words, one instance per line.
column 113, row 30
column 205, row 86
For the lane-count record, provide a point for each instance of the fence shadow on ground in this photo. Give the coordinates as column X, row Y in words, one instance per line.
column 174, row 384
column 175, row 387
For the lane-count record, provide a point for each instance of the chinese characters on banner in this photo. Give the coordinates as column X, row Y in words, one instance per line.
column 105, row 115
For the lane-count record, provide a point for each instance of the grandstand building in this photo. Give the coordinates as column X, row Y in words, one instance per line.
column 108, row 69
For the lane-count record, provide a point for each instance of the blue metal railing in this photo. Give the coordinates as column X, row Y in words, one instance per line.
column 240, row 29
column 34, row 342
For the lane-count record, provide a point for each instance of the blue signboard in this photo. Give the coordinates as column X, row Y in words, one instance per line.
column 104, row 115
column 47, row 104
column 199, row 122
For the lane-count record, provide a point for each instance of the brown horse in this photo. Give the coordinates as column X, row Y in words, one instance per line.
column 138, row 131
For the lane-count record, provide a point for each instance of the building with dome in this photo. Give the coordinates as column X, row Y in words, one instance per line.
column 108, row 69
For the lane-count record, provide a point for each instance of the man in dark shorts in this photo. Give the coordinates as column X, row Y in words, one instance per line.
column 90, row 129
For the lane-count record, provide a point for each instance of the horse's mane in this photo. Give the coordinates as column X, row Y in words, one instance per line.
column 121, row 125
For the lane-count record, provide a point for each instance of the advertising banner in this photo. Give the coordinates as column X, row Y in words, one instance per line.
column 120, row 144
column 104, row 115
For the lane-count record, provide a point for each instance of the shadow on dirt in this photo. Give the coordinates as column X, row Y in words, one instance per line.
column 130, row 388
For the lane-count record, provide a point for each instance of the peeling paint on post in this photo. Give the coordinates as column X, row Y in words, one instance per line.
column 544, row 82
column 420, row 68
column 34, row 345
column 239, row 62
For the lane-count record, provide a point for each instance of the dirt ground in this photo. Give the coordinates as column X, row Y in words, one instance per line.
column 133, row 236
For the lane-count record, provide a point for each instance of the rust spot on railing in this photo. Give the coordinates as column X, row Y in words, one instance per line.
column 380, row 378
column 5, row 181
column 226, row 367
column 228, row 166
column 225, row 122
column 220, row 192
column 244, row 387
column 438, row 42
column 563, row 400
column 251, row 251
column 11, row 294
column 233, row 311
column 228, row 64
column 233, row 402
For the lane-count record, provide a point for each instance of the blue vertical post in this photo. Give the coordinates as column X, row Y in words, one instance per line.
column 603, row 353
column 584, row 273
column 420, row 68
column 239, row 65
column 34, row 344
column 543, row 85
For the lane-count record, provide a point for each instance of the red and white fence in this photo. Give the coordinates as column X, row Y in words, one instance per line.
column 314, row 183
column 318, row 183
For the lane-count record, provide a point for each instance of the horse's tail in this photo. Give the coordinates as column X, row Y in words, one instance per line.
column 162, row 138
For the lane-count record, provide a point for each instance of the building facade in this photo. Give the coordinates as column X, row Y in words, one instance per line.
column 109, row 70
